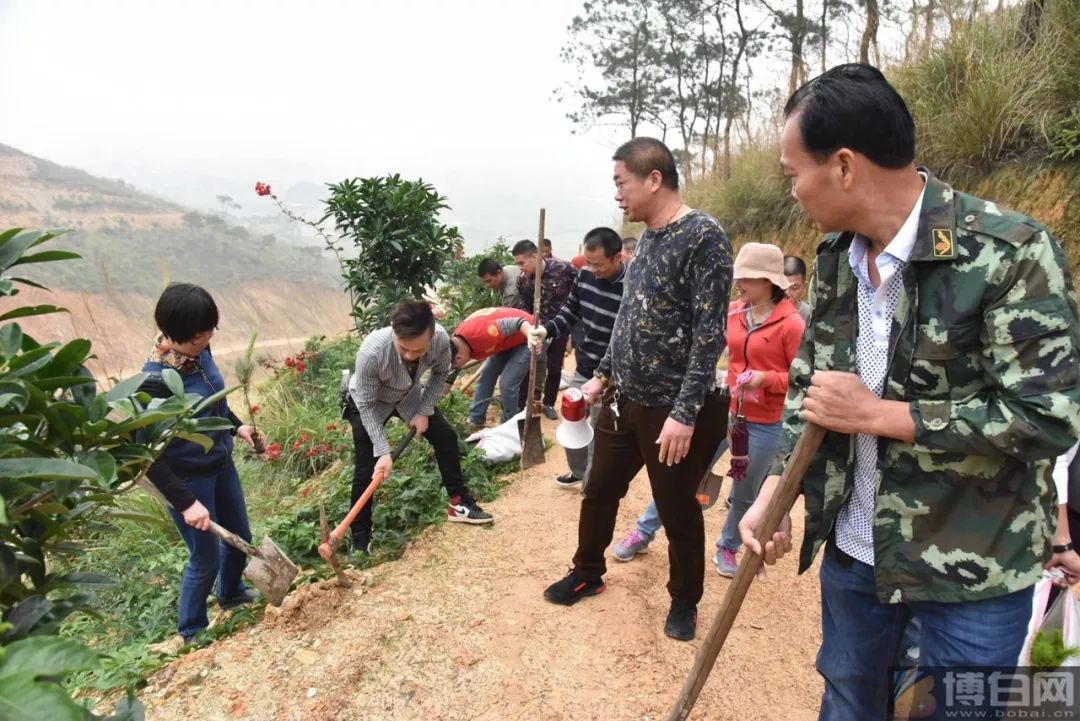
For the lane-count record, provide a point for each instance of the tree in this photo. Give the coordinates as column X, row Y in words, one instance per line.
column 618, row 39
column 869, row 36
column 798, row 30
column 1030, row 19
column 402, row 250
column 227, row 204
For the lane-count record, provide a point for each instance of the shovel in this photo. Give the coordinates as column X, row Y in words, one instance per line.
column 787, row 491
column 269, row 570
column 532, row 440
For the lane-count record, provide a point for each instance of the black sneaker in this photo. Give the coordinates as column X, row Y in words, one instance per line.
column 571, row 589
column 248, row 596
column 681, row 622
column 567, row 480
column 550, row 413
column 463, row 509
column 361, row 552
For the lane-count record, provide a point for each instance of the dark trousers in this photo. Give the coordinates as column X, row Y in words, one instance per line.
column 618, row 456
column 442, row 438
column 556, row 353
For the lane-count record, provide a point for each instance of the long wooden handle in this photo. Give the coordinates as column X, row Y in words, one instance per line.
column 537, row 277
column 224, row 534
column 338, row 533
column 783, row 498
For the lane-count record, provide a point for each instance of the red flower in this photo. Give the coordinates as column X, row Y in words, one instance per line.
column 305, row 491
column 296, row 446
column 311, row 453
column 331, row 426
column 262, row 189
column 304, row 438
column 300, row 366
column 289, row 362
column 254, row 408
column 273, row 453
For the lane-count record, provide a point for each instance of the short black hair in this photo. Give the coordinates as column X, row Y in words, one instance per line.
column 523, row 247
column 644, row 155
column 183, row 310
column 853, row 106
column 605, row 238
column 411, row 319
column 794, row 265
column 547, row 242
column 488, row 266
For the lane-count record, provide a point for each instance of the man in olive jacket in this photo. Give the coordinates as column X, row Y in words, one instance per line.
column 942, row 357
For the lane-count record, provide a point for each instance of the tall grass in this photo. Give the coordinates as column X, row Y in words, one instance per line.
column 981, row 98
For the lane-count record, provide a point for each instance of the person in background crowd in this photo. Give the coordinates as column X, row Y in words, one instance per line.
column 546, row 249
column 655, row 382
column 629, row 245
column 557, row 278
column 943, row 361
column 389, row 367
column 795, row 270
column 503, row 280
column 200, row 485
column 497, row 336
column 763, row 335
column 591, row 307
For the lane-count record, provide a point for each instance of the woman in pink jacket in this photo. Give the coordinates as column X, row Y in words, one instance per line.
column 763, row 334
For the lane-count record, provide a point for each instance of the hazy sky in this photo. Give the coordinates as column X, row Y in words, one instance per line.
column 202, row 97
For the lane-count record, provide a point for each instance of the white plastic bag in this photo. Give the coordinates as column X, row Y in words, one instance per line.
column 1064, row 614
column 501, row 443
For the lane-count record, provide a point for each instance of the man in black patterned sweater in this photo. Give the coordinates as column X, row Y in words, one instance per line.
column 656, row 380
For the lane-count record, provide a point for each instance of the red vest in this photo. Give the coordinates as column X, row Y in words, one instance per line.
column 481, row 331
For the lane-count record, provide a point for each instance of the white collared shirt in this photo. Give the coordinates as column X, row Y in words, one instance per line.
column 876, row 308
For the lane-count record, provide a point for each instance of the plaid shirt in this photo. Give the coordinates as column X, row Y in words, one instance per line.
column 555, row 284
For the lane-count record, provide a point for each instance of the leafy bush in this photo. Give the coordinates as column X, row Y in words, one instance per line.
column 463, row 293
column 66, row 453
column 402, row 250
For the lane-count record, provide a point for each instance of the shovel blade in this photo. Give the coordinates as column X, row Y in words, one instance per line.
column 271, row 572
column 532, row 446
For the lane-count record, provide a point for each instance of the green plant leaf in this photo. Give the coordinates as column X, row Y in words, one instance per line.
column 126, row 387
column 173, row 382
column 47, row 256
column 44, row 468
column 28, row 310
column 27, row 614
column 45, row 656
column 21, row 698
column 10, row 340
column 12, row 248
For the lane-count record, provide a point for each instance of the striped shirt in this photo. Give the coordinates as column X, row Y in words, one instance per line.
column 594, row 303
column 382, row 383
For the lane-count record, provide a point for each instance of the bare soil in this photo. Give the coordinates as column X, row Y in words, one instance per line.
column 457, row 629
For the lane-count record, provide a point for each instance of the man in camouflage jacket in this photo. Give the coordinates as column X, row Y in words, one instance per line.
column 948, row 518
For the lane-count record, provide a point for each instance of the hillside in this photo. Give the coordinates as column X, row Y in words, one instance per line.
column 132, row 244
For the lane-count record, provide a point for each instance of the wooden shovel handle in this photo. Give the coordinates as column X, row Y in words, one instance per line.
column 783, row 498
column 338, row 533
column 225, row 535
column 537, row 278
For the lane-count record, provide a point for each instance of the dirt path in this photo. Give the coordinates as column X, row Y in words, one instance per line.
column 457, row 630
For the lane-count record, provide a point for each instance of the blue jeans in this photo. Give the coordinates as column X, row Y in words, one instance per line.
column 764, row 441
column 208, row 557
column 510, row 368
column 861, row 635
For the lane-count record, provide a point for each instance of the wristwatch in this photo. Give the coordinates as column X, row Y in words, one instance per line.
column 1063, row 548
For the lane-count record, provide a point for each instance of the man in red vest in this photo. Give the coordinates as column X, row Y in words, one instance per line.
column 497, row 335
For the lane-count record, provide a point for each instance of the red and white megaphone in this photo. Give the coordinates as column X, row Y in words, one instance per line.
column 574, row 431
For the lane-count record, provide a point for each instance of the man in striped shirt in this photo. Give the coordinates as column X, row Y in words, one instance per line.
column 389, row 367
column 591, row 306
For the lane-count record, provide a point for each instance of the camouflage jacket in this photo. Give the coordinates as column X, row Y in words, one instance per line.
column 984, row 346
column 556, row 281
column 670, row 328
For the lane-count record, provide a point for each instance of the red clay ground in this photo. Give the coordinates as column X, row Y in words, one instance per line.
column 457, row 629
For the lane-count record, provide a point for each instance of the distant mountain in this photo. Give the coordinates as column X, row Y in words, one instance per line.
column 131, row 241
column 35, row 191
